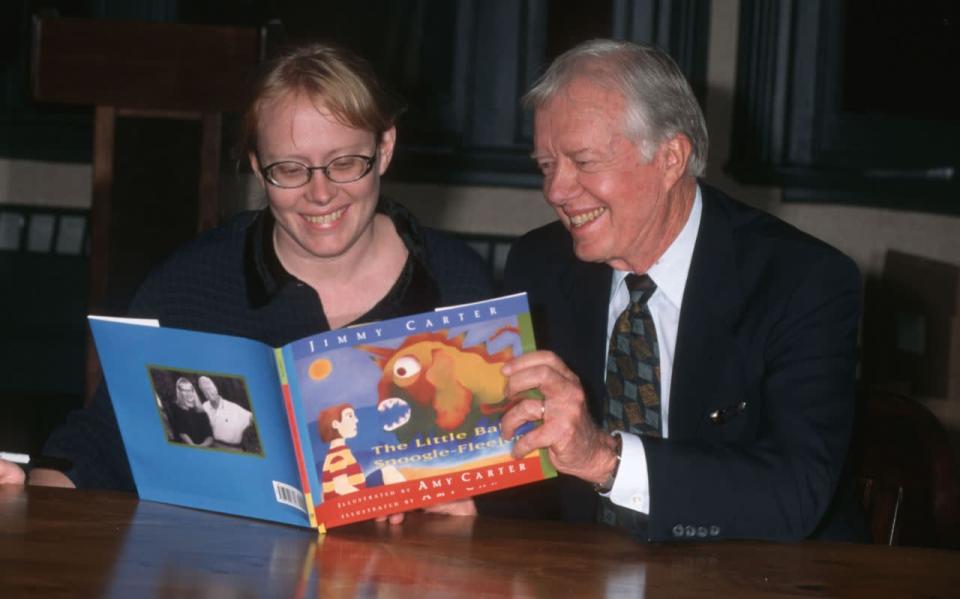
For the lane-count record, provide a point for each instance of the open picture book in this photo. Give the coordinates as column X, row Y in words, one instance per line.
column 331, row 429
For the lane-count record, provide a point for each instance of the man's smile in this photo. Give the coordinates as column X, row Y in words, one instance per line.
column 578, row 220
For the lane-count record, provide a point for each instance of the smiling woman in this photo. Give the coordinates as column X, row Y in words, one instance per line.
column 319, row 135
column 327, row 251
column 327, row 226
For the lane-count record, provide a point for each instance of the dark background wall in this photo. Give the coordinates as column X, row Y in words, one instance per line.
column 768, row 74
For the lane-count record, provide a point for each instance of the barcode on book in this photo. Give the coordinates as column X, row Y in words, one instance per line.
column 288, row 495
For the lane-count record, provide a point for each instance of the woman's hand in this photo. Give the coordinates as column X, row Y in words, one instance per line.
column 11, row 474
column 461, row 507
column 46, row 477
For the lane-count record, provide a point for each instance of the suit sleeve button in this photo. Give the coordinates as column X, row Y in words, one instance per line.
column 691, row 531
column 678, row 530
column 714, row 531
column 702, row 531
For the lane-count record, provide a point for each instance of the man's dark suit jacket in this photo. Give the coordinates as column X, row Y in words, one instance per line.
column 762, row 394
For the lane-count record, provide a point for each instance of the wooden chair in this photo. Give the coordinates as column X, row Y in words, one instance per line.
column 908, row 477
column 143, row 70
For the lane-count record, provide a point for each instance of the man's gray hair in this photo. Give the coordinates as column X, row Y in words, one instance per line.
column 659, row 100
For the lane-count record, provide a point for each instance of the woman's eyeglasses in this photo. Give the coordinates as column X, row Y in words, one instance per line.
column 290, row 174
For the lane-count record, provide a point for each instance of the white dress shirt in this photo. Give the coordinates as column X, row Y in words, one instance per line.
column 228, row 421
column 631, row 488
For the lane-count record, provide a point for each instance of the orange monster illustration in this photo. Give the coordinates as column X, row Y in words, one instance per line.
column 433, row 384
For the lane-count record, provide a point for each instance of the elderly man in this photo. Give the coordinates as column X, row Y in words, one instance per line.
column 228, row 419
column 698, row 377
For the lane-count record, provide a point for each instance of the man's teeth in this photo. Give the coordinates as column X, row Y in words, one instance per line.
column 326, row 219
column 582, row 219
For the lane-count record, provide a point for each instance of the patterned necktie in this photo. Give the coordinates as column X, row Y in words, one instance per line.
column 633, row 386
column 633, row 365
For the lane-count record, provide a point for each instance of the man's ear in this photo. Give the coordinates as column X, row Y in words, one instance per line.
column 255, row 167
column 387, row 142
column 674, row 154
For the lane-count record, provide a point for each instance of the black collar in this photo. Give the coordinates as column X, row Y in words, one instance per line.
column 414, row 291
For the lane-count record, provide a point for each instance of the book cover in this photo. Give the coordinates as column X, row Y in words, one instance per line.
column 331, row 429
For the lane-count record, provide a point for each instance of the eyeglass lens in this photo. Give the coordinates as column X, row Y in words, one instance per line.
column 344, row 169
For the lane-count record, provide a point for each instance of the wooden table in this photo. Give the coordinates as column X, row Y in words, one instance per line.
column 59, row 543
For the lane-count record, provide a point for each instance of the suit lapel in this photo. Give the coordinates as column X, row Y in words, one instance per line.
column 588, row 287
column 711, row 308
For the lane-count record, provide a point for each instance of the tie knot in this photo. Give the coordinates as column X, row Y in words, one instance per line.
column 641, row 287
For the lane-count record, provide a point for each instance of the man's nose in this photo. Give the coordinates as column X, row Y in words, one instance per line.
column 561, row 185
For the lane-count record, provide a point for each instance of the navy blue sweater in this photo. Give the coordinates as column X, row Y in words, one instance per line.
column 230, row 281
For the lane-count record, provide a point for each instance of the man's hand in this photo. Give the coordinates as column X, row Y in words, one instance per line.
column 576, row 445
column 11, row 474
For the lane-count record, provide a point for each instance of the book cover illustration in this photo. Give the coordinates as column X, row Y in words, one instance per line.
column 405, row 413
column 331, row 429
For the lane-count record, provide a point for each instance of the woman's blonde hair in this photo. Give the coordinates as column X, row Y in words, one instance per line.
column 180, row 398
column 334, row 78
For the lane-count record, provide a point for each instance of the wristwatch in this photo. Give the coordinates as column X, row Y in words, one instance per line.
column 607, row 485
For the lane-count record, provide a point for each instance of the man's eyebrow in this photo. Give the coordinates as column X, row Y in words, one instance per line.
column 536, row 156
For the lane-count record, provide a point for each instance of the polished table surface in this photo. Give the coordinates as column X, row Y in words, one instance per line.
column 59, row 543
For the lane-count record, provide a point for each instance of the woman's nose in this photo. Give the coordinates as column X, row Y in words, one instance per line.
column 320, row 189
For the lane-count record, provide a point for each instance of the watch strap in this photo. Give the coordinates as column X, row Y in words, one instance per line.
column 607, row 485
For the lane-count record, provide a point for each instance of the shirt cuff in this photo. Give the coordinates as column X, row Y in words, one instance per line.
column 631, row 487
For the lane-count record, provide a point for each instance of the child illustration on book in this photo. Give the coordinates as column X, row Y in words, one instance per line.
column 342, row 474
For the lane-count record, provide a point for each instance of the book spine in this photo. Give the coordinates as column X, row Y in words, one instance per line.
column 529, row 344
column 295, row 437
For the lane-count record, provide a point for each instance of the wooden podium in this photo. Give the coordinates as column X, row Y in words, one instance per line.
column 141, row 70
